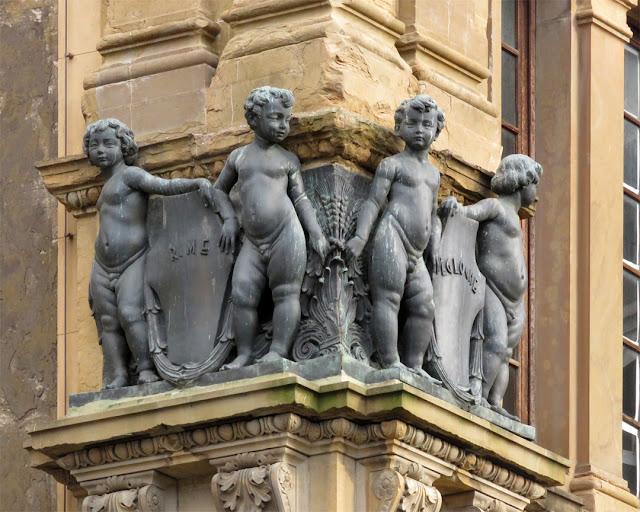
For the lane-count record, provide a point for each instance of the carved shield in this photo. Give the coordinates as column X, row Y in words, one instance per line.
column 187, row 289
column 458, row 289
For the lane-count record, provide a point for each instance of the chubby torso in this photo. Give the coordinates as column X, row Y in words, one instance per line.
column 263, row 181
column 501, row 254
column 411, row 198
column 123, row 222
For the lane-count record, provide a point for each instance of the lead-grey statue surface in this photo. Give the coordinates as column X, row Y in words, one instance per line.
column 391, row 281
column 116, row 291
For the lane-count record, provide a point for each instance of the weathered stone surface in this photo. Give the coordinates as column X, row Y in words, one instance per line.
column 27, row 256
column 315, row 369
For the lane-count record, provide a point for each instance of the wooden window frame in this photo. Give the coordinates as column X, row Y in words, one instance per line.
column 524, row 360
column 634, row 42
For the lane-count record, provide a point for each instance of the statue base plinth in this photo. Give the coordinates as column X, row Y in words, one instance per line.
column 291, row 436
column 333, row 365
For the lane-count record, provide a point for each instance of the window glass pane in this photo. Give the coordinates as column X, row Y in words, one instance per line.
column 509, row 23
column 630, row 306
column 630, row 252
column 630, row 80
column 630, row 153
column 629, row 382
column 509, row 400
column 508, row 142
column 509, row 88
column 630, row 459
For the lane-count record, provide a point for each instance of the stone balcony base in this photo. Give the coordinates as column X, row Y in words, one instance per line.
column 281, row 441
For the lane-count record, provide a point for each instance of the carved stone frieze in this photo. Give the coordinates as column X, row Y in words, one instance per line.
column 309, row 430
column 252, row 480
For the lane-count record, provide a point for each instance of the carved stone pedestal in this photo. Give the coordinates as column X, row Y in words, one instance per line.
column 280, row 442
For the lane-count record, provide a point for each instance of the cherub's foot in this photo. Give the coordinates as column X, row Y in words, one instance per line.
column 423, row 373
column 272, row 355
column 119, row 382
column 147, row 376
column 238, row 362
column 396, row 365
column 503, row 411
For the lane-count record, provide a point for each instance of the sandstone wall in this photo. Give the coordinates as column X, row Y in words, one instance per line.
column 28, row 258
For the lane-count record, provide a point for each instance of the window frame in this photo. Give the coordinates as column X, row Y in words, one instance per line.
column 523, row 360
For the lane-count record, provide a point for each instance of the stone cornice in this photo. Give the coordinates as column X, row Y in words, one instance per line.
column 333, row 135
column 287, row 423
column 165, row 418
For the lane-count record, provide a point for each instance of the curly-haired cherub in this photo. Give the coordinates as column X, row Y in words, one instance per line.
column 501, row 260
column 409, row 226
column 275, row 208
column 116, row 291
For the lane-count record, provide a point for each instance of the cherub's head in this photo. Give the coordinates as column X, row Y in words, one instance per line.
column 517, row 172
column 120, row 132
column 268, row 112
column 419, row 121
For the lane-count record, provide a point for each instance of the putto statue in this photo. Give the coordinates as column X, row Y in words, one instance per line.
column 501, row 261
column 275, row 208
column 438, row 295
column 116, row 291
column 409, row 226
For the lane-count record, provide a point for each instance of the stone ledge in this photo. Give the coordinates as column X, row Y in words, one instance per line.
column 317, row 138
column 172, row 412
column 336, row 365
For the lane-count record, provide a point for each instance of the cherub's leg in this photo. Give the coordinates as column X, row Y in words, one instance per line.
column 495, row 343
column 387, row 275
column 418, row 327
column 130, row 293
column 514, row 333
column 286, row 272
column 247, row 283
column 114, row 344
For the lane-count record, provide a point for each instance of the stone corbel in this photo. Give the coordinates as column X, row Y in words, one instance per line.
column 250, row 481
column 149, row 491
column 405, row 488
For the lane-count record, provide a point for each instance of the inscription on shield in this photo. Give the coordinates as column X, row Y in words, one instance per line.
column 188, row 282
column 458, row 289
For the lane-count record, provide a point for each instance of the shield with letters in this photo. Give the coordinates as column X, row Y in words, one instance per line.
column 187, row 289
column 458, row 292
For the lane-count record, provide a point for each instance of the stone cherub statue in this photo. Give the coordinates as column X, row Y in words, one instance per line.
column 409, row 226
column 501, row 260
column 275, row 208
column 116, row 291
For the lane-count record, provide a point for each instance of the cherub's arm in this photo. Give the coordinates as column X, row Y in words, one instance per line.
column 305, row 211
column 436, row 226
column 141, row 180
column 223, row 185
column 378, row 193
column 385, row 174
column 486, row 209
column 222, row 203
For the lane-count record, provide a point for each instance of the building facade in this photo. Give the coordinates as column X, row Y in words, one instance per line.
column 554, row 79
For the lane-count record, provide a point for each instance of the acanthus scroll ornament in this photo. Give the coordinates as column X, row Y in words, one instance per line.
column 252, row 480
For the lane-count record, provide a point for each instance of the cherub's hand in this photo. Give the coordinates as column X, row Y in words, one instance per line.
column 205, row 188
column 230, row 231
column 320, row 245
column 448, row 207
column 354, row 248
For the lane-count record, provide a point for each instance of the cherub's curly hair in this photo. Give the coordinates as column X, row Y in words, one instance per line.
column 260, row 97
column 123, row 132
column 422, row 103
column 514, row 173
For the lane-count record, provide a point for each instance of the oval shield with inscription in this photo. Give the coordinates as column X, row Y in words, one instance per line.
column 458, row 293
column 187, row 289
